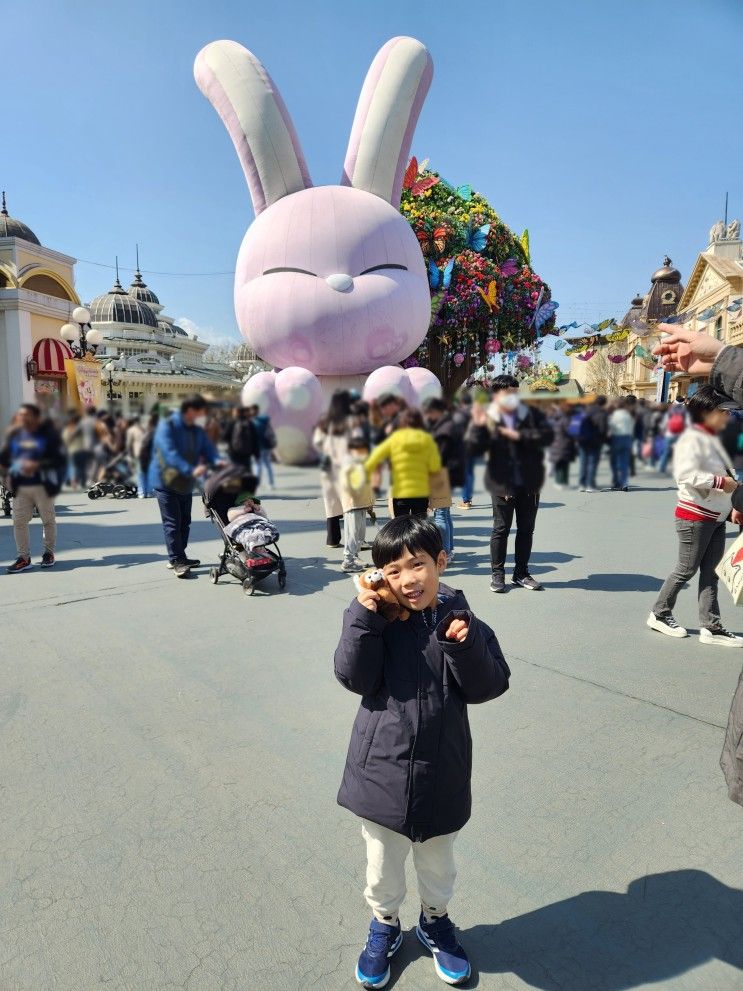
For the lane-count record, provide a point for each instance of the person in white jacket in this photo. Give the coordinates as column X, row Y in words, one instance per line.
column 705, row 480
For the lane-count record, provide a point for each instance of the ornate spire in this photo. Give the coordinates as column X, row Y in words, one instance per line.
column 4, row 210
column 138, row 282
column 118, row 288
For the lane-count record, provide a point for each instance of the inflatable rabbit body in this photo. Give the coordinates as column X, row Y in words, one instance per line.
column 330, row 282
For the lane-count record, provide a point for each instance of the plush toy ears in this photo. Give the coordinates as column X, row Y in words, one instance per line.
column 387, row 112
column 251, row 107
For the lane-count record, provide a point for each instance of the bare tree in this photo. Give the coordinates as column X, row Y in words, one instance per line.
column 604, row 376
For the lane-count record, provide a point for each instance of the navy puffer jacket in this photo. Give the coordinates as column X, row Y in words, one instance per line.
column 409, row 762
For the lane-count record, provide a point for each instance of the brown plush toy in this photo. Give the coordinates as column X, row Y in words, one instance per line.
column 389, row 607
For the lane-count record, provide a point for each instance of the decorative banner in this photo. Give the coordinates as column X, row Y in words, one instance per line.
column 586, row 357
column 83, row 382
column 619, row 359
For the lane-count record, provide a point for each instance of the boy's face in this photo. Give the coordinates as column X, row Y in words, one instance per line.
column 414, row 579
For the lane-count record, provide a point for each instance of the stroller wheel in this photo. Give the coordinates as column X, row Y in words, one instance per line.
column 249, row 586
column 94, row 493
column 214, row 576
column 282, row 579
column 119, row 492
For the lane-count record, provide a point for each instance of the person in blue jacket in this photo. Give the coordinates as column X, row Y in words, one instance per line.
column 409, row 765
column 181, row 453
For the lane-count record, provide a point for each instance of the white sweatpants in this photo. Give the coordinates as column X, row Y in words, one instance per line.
column 386, row 853
column 354, row 531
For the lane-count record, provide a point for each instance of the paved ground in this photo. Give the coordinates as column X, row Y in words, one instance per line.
column 171, row 753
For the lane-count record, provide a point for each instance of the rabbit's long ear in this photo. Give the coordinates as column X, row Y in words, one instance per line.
column 245, row 97
column 387, row 112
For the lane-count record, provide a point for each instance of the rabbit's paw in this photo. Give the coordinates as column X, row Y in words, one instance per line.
column 414, row 385
column 293, row 398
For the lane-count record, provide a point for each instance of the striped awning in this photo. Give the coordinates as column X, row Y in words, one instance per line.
column 49, row 355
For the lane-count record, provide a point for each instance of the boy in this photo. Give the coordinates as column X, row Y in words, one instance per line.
column 408, row 769
column 356, row 499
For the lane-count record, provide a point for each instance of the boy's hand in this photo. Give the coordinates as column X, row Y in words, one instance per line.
column 368, row 599
column 458, row 630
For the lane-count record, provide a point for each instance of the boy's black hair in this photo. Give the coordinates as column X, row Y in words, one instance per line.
column 358, row 444
column 504, row 382
column 194, row 401
column 705, row 400
column 411, row 533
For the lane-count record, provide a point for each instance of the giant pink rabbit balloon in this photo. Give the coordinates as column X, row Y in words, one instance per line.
column 330, row 280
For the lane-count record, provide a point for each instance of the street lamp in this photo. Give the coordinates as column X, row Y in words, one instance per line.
column 110, row 369
column 81, row 338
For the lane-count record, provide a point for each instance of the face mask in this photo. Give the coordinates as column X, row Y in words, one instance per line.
column 200, row 421
column 509, row 401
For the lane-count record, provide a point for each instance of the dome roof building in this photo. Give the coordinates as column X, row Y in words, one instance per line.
column 10, row 227
column 634, row 313
column 665, row 292
column 117, row 306
column 140, row 291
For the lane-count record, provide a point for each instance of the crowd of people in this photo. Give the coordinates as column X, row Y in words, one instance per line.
column 408, row 772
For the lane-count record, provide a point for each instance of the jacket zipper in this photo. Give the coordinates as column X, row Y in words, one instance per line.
column 415, row 738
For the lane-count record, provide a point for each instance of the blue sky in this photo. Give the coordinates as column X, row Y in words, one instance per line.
column 608, row 129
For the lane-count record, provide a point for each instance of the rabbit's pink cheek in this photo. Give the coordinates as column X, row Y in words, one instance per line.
column 384, row 342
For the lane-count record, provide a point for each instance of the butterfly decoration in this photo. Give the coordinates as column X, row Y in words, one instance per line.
column 463, row 192
column 585, row 357
column 508, row 268
column 491, row 296
column 437, row 239
column 559, row 345
column 598, row 327
column 707, row 314
column 619, row 359
column 415, row 185
column 678, row 317
column 477, row 237
column 735, row 305
column 641, row 352
column 438, row 279
column 544, row 313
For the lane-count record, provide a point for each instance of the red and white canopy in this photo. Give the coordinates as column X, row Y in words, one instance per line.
column 49, row 355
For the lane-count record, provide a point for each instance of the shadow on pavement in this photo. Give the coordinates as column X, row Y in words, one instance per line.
column 611, row 583
column 665, row 925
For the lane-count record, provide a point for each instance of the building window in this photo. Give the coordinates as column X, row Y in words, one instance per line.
column 718, row 328
column 668, row 297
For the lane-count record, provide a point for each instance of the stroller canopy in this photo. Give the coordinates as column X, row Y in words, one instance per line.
column 223, row 487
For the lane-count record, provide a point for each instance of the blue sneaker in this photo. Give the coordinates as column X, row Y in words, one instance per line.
column 449, row 959
column 373, row 970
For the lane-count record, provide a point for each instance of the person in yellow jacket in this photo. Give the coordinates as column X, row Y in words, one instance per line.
column 413, row 456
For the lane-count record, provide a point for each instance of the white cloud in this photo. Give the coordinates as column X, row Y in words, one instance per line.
column 209, row 335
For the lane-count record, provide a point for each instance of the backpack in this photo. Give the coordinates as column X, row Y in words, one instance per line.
column 145, row 451
column 269, row 437
column 676, row 423
column 575, row 425
column 243, row 441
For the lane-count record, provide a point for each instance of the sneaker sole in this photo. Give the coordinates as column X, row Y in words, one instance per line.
column 679, row 634
column 447, row 978
column 719, row 643
column 526, row 588
column 370, row 982
column 48, row 564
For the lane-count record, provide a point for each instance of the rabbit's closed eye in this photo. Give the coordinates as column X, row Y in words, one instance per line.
column 302, row 271
column 378, row 268
column 367, row 271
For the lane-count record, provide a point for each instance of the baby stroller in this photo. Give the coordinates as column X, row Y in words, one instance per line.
column 117, row 480
column 254, row 560
column 6, row 502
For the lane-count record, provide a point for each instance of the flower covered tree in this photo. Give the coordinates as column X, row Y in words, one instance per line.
column 485, row 297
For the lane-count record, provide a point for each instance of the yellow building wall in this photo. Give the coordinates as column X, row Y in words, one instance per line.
column 44, row 327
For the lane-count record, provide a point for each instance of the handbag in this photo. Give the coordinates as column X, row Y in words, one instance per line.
column 440, row 494
column 730, row 570
column 173, row 479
